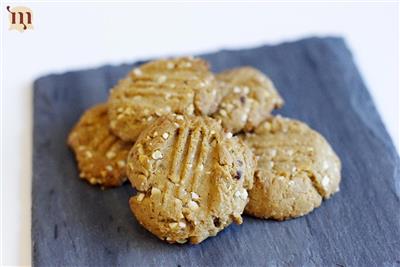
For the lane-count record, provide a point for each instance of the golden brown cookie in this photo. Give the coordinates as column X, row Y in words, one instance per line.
column 296, row 169
column 191, row 177
column 100, row 154
column 182, row 86
column 249, row 97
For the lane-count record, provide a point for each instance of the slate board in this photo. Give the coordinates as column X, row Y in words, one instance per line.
column 74, row 224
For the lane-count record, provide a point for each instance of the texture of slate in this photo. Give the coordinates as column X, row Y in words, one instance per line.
column 74, row 224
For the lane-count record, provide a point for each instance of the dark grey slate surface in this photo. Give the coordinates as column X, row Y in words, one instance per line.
column 74, row 224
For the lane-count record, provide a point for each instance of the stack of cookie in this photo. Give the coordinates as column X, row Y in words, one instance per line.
column 202, row 149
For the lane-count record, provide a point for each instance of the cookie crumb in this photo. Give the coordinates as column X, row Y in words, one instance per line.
column 173, row 225
column 109, row 168
column 201, row 167
column 130, row 165
column 241, row 194
column 121, row 163
column 157, row 155
column 325, row 165
column 271, row 164
column 137, row 72
column 165, row 136
column 162, row 79
column 190, row 109
column 229, row 107
column 244, row 194
column 272, row 152
column 177, row 201
column 110, row 154
column 140, row 197
column 128, row 110
column 325, row 182
column 223, row 112
column 136, row 98
column 170, row 65
column 155, row 191
column 195, row 196
column 193, row 205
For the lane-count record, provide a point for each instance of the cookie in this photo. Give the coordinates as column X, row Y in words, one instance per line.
column 248, row 99
column 296, row 169
column 181, row 86
column 100, row 154
column 191, row 178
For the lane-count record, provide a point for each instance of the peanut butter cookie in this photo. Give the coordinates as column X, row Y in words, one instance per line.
column 248, row 98
column 181, row 86
column 191, row 177
column 296, row 169
column 100, row 154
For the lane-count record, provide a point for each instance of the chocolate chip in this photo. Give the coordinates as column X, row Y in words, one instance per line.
column 238, row 175
column 243, row 99
column 217, row 222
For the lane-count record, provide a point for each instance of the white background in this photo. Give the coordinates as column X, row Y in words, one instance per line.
column 75, row 36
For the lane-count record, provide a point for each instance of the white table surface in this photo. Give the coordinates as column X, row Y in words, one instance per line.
column 76, row 36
